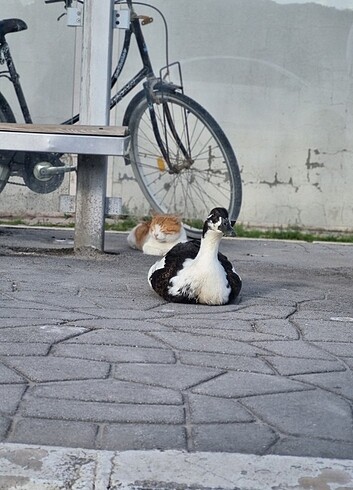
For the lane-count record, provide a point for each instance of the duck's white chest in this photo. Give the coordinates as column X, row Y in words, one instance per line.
column 203, row 280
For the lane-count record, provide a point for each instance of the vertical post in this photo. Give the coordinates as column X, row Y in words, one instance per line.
column 94, row 110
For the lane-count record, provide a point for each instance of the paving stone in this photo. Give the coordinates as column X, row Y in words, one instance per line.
column 323, row 331
column 44, row 313
column 7, row 375
column 183, row 309
column 117, row 354
column 206, row 409
column 340, row 383
column 239, row 438
column 10, row 396
column 305, row 312
column 339, row 349
column 199, row 343
column 146, row 301
column 112, row 337
column 107, row 390
column 225, row 361
column 66, row 296
column 53, row 433
column 287, row 366
column 124, row 437
column 327, row 306
column 121, row 324
column 102, row 412
column 229, row 334
column 58, row 369
column 207, row 322
column 278, row 290
column 43, row 333
column 309, row 414
column 4, row 426
column 170, row 376
column 293, row 348
column 280, row 328
column 24, row 322
column 303, row 446
column 23, row 349
column 349, row 362
column 256, row 312
column 123, row 313
column 231, row 385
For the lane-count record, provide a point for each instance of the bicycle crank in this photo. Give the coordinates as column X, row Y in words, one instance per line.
column 44, row 170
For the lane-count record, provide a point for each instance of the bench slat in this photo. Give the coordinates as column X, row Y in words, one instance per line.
column 65, row 129
column 52, row 138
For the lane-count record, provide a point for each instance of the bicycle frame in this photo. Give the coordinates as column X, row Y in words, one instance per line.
column 12, row 75
column 146, row 73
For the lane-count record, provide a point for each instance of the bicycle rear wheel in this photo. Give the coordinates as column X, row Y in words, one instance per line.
column 190, row 185
column 25, row 162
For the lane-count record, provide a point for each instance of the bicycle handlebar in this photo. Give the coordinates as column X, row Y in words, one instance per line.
column 68, row 3
column 54, row 1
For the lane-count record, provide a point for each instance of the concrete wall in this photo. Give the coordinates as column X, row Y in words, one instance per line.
column 277, row 75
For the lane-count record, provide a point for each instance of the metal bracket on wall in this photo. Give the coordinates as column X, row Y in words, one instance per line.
column 74, row 17
column 121, row 19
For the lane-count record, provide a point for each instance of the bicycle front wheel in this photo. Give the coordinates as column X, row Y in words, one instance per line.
column 202, row 171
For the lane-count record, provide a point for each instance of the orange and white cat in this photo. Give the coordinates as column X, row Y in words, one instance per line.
column 158, row 235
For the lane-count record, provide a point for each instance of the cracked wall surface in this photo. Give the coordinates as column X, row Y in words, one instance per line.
column 276, row 75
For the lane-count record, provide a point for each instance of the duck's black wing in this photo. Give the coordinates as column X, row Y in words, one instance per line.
column 233, row 278
column 173, row 263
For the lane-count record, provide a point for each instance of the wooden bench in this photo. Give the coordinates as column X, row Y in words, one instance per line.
column 59, row 138
column 92, row 144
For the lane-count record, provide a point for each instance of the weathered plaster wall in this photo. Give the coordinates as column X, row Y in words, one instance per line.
column 276, row 75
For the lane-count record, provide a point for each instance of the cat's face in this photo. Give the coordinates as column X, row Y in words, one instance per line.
column 165, row 228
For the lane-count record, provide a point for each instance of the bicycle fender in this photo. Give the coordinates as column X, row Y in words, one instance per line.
column 133, row 102
column 159, row 87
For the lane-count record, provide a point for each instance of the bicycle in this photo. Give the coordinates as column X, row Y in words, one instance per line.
column 180, row 157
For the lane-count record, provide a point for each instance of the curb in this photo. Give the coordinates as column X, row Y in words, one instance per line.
column 28, row 467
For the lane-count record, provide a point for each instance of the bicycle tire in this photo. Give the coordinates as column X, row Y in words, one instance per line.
column 6, row 116
column 213, row 178
column 28, row 161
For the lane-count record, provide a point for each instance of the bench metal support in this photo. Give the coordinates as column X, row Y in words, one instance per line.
column 94, row 109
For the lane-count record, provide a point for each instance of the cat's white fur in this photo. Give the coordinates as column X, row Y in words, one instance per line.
column 157, row 242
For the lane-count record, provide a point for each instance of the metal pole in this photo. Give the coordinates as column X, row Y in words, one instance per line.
column 94, row 110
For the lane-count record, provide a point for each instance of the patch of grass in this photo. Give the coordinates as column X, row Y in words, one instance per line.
column 123, row 224
column 292, row 234
column 194, row 223
column 12, row 222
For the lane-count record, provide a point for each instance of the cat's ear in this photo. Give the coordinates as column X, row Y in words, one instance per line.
column 233, row 222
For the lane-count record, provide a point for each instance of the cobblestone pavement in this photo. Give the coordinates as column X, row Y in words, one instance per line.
column 91, row 358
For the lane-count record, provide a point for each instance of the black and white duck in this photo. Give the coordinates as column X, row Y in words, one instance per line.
column 196, row 272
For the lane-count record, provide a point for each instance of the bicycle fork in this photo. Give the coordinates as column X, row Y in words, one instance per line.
column 168, row 127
